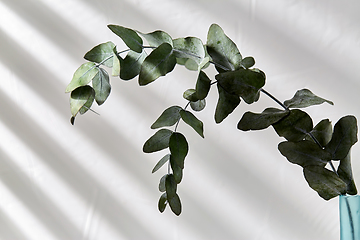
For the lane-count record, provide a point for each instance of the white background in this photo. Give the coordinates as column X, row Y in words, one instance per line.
column 91, row 181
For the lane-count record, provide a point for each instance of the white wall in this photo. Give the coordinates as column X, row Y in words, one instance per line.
column 91, row 181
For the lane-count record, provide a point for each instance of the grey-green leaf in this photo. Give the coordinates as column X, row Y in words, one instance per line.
column 226, row 104
column 222, row 49
column 101, row 85
column 198, row 105
column 192, row 121
column 325, row 182
column 192, row 52
column 294, row 126
column 81, row 99
column 157, row 38
column 177, row 170
column 248, row 62
column 322, row 132
column 344, row 136
column 168, row 118
column 116, row 63
column 170, row 185
column 175, row 204
column 258, row 121
column 345, row 173
column 162, row 161
column 129, row 36
column 162, row 187
column 162, row 202
column 157, row 142
column 131, row 65
column 190, row 95
column 304, row 153
column 243, row 82
column 203, row 85
column 82, row 76
column 159, row 62
column 305, row 98
column 178, row 148
column 100, row 53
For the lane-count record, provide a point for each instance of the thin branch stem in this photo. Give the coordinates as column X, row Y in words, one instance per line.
column 274, row 98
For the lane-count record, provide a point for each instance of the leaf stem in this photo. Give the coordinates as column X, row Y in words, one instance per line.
column 274, row 98
column 180, row 118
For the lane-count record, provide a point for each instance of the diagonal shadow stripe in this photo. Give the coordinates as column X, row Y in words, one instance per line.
column 9, row 230
column 55, row 157
column 37, row 202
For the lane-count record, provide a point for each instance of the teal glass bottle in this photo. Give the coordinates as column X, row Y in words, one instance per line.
column 349, row 217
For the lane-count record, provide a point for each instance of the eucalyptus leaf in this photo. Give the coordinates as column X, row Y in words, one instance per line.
column 162, row 161
column 222, row 49
column 168, row 118
column 322, row 132
column 170, row 185
column 175, row 204
column 193, row 122
column 294, row 126
column 192, row 49
column 190, row 95
column 192, row 65
column 131, row 65
column 157, row 142
column 243, row 82
column 116, row 63
column 178, row 148
column 129, row 36
column 198, row 105
column 101, row 86
column 159, row 62
column 162, row 187
column 345, row 173
column 258, row 121
column 100, row 53
column 203, row 85
column 226, row 104
column 177, row 170
column 344, row 136
column 304, row 153
column 305, row 98
column 81, row 99
column 248, row 62
column 325, row 182
column 82, row 76
column 157, row 38
column 162, row 202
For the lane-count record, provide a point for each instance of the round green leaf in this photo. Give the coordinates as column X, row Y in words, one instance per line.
column 162, row 187
column 294, row 126
column 248, row 62
column 258, row 121
column 170, row 185
column 82, row 76
column 101, row 85
column 305, row 98
column 198, row 105
column 162, row 202
column 345, row 173
column 192, row 121
column 203, row 85
column 160, row 62
column 190, row 95
column 168, row 118
column 222, row 49
column 325, row 182
column 157, row 142
column 157, row 38
column 100, row 53
column 304, row 153
column 81, row 99
column 175, row 204
column 129, row 36
column 344, row 136
column 226, row 104
column 322, row 132
column 131, row 65
column 178, row 148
